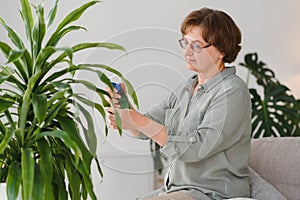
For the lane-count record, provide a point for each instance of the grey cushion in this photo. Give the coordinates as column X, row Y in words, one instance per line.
column 277, row 161
column 261, row 189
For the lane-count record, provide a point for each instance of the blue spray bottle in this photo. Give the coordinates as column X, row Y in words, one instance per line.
column 123, row 101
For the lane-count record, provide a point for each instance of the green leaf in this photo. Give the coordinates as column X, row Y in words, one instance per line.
column 90, row 135
column 13, row 35
column 52, row 14
column 55, row 38
column 68, row 125
column 65, row 137
column 99, row 167
column 92, row 104
column 74, row 15
column 129, row 87
column 39, row 30
column 15, row 55
column 119, row 122
column 60, row 187
column 3, row 172
column 13, row 180
column 39, row 103
column 5, row 103
column 68, row 51
column 4, row 77
column 274, row 113
column 6, row 49
column 74, row 179
column 27, row 62
column 87, row 181
column 27, row 163
column 54, row 109
column 4, row 142
column 47, row 52
column 81, row 46
column 91, row 86
column 264, row 76
column 26, row 105
column 98, row 106
column 38, row 190
column 43, row 56
column 56, row 96
column 77, row 48
column 45, row 165
column 28, row 19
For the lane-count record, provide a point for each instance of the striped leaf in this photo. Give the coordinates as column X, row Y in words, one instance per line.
column 13, row 181
column 39, row 30
column 52, row 14
column 6, row 50
column 64, row 136
column 27, row 163
column 56, row 38
column 45, row 165
column 5, row 103
column 74, row 15
column 13, row 35
column 28, row 19
column 38, row 190
column 39, row 103
column 6, row 139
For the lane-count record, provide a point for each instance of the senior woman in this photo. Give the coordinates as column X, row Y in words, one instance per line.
column 204, row 126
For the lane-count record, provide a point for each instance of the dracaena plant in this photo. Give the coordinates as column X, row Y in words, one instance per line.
column 46, row 149
column 275, row 112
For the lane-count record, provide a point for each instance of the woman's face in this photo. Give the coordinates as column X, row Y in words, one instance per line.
column 208, row 59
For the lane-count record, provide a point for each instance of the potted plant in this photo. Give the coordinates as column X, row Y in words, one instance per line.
column 42, row 152
column 276, row 112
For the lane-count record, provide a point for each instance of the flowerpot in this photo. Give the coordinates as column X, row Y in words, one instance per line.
column 3, row 190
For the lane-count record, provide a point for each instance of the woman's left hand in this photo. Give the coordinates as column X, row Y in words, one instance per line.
column 126, row 116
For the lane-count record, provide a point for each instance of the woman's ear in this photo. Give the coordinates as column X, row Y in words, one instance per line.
column 221, row 54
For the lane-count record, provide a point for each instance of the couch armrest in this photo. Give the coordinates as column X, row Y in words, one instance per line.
column 277, row 160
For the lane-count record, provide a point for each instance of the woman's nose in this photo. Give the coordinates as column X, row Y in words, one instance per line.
column 188, row 51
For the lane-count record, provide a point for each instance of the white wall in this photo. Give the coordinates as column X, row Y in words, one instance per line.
column 149, row 30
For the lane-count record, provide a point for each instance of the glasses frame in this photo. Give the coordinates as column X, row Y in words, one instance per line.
column 192, row 47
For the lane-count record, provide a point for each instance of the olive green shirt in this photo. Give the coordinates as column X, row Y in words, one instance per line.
column 208, row 137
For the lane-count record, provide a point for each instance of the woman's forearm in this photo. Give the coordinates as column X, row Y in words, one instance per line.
column 147, row 126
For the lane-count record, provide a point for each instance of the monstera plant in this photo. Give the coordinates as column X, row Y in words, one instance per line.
column 277, row 112
column 47, row 136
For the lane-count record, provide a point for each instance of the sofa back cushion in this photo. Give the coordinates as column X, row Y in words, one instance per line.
column 277, row 160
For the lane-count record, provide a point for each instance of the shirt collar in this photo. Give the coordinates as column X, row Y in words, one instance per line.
column 213, row 81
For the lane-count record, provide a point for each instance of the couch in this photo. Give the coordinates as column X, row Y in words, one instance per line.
column 274, row 167
column 277, row 161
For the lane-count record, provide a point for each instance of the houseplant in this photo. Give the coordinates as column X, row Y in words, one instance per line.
column 42, row 150
column 276, row 112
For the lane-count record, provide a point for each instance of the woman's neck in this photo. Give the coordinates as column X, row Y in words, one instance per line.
column 203, row 77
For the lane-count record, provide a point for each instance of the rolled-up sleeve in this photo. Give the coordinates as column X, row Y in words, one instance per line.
column 158, row 111
column 226, row 120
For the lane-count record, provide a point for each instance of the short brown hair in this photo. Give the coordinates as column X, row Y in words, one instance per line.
column 218, row 29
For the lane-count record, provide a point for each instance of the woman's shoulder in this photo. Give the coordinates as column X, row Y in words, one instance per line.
column 234, row 82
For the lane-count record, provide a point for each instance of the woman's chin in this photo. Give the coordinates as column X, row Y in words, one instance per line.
column 191, row 67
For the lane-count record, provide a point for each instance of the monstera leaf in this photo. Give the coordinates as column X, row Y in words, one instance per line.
column 277, row 112
column 264, row 76
column 273, row 115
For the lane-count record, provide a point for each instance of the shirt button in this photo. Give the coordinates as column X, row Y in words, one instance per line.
column 192, row 139
column 200, row 87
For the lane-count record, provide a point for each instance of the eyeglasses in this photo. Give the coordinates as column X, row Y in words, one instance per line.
column 195, row 46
